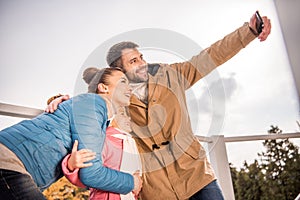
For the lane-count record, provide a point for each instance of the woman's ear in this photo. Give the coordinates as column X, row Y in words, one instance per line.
column 102, row 88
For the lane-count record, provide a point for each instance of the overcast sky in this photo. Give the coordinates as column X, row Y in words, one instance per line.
column 45, row 45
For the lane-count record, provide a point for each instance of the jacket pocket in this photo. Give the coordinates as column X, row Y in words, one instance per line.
column 192, row 149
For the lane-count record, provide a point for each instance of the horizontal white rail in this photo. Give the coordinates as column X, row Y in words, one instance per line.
column 262, row 137
column 18, row 111
column 251, row 138
column 27, row 112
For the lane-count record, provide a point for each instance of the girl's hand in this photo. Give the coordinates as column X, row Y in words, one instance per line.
column 79, row 158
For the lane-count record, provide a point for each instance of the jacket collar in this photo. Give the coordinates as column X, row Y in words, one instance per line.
column 153, row 68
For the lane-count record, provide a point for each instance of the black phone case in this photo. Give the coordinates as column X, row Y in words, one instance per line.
column 259, row 23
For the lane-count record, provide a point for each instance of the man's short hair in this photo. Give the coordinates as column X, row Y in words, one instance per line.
column 113, row 57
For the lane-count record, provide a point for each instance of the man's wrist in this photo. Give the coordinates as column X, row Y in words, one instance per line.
column 253, row 31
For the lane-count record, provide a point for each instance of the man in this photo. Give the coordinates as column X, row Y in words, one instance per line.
column 175, row 165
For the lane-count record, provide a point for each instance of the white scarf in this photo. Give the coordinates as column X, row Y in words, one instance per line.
column 140, row 90
column 130, row 159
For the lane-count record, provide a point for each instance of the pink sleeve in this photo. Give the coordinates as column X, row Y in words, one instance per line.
column 73, row 176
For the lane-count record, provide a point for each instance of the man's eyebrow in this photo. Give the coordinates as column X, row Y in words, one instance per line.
column 141, row 55
column 133, row 59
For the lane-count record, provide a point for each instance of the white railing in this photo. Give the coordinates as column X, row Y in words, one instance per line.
column 219, row 160
column 18, row 111
column 216, row 145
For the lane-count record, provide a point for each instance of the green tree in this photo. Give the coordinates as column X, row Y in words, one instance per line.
column 275, row 176
column 280, row 165
column 248, row 182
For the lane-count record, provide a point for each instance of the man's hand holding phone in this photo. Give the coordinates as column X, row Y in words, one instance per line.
column 261, row 26
column 259, row 23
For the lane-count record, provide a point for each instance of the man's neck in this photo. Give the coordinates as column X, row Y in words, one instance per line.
column 140, row 90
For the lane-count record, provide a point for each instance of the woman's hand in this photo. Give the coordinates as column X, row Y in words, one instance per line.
column 138, row 183
column 79, row 158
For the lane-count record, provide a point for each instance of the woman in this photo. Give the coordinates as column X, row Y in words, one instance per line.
column 32, row 150
column 119, row 153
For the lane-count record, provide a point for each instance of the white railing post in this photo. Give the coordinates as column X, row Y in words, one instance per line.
column 219, row 161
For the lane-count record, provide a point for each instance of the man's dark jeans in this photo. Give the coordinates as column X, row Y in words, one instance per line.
column 14, row 185
column 210, row 192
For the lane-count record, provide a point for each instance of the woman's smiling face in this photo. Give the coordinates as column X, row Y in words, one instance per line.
column 119, row 89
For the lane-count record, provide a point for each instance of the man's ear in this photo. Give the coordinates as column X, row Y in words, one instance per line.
column 102, row 88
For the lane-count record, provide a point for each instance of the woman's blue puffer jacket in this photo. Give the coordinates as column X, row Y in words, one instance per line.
column 42, row 142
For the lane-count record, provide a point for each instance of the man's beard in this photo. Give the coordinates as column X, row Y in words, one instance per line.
column 138, row 74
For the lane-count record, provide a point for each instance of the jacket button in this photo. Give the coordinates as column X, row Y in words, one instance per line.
column 155, row 146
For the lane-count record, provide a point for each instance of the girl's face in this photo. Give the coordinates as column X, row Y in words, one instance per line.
column 119, row 89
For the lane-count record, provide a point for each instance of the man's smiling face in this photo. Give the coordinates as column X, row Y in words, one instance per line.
column 134, row 65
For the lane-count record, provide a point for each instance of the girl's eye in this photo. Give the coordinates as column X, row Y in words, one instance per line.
column 123, row 80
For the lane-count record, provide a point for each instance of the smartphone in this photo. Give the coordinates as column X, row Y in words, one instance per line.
column 259, row 22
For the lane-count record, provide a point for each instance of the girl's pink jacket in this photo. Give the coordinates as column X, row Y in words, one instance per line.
column 112, row 157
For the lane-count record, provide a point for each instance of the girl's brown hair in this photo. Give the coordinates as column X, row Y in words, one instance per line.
column 93, row 76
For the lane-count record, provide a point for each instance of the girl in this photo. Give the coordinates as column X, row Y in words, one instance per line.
column 119, row 151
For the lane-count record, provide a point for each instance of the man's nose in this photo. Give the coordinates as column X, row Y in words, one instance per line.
column 142, row 62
